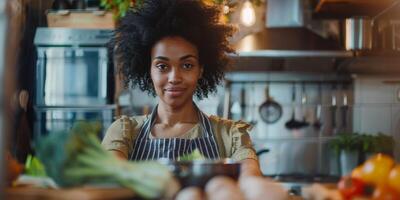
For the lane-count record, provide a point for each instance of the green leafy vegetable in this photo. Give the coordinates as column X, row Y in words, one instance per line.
column 34, row 167
column 194, row 155
column 76, row 157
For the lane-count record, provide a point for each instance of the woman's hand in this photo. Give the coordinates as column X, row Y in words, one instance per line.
column 249, row 167
column 222, row 187
column 248, row 188
column 258, row 188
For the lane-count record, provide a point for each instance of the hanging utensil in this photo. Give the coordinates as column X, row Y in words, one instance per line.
column 333, row 110
column 317, row 123
column 270, row 111
column 303, row 104
column 220, row 106
column 243, row 102
column 344, row 110
column 227, row 100
column 236, row 109
column 262, row 151
column 251, row 118
column 293, row 123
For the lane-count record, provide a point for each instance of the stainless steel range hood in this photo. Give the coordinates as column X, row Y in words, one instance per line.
column 289, row 32
column 287, row 43
column 288, row 49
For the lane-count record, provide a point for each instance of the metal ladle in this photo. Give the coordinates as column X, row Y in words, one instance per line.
column 333, row 110
column 317, row 123
column 344, row 110
column 303, row 104
column 251, row 118
column 293, row 123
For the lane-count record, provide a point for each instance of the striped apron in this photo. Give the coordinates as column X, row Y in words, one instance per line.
column 172, row 148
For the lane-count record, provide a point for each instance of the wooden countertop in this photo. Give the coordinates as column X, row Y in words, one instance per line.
column 85, row 193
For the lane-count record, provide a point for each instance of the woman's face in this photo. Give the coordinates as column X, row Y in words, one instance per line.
column 175, row 70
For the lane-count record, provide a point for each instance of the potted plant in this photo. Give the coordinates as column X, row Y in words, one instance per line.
column 353, row 148
column 347, row 147
column 379, row 143
column 119, row 8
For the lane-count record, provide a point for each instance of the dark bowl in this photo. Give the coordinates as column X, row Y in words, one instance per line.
column 199, row 172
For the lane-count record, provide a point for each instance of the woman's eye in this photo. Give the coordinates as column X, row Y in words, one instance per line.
column 187, row 66
column 161, row 66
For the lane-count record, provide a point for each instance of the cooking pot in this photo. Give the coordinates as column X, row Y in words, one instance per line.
column 199, row 172
column 358, row 33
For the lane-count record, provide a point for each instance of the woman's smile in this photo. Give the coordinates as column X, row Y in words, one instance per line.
column 174, row 92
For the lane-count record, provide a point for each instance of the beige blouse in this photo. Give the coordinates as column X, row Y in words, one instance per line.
column 232, row 136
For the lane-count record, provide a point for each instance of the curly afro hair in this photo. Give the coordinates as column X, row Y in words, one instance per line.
column 198, row 23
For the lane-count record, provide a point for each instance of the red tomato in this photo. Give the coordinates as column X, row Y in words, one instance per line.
column 14, row 168
column 350, row 187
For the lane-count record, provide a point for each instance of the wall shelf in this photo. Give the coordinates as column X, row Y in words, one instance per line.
column 349, row 8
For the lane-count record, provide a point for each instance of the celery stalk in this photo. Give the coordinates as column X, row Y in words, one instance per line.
column 76, row 158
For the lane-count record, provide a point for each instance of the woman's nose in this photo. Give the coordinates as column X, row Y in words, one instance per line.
column 175, row 76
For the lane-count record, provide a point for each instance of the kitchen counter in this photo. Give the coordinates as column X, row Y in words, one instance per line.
column 31, row 193
column 84, row 193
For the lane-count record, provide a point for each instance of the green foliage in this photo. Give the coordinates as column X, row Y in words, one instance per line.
column 120, row 7
column 381, row 143
column 346, row 141
column 367, row 143
column 34, row 167
column 195, row 155
column 256, row 2
column 222, row 2
column 51, row 153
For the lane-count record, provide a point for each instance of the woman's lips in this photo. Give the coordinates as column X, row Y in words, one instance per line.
column 174, row 92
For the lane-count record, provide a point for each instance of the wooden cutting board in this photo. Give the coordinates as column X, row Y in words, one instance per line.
column 85, row 193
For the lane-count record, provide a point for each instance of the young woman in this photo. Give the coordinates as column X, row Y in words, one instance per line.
column 176, row 49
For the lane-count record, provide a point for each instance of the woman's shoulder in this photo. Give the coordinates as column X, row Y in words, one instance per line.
column 125, row 122
column 122, row 132
column 229, row 125
column 233, row 135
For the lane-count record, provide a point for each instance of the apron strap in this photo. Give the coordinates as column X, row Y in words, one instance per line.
column 208, row 130
column 143, row 133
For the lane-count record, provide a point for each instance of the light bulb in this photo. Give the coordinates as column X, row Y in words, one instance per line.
column 247, row 14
